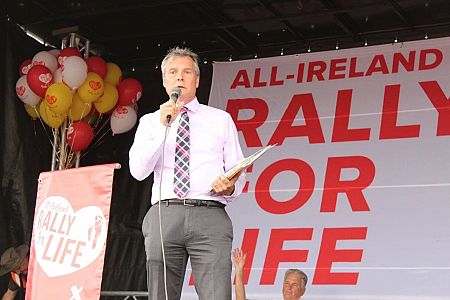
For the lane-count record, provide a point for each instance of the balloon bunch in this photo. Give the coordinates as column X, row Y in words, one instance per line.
column 56, row 86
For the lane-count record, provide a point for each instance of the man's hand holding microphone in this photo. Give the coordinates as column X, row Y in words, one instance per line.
column 170, row 109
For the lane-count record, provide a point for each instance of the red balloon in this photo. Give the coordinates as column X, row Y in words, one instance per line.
column 80, row 135
column 25, row 67
column 130, row 91
column 66, row 52
column 97, row 65
column 39, row 78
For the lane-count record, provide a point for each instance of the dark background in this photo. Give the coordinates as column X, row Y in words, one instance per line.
column 136, row 35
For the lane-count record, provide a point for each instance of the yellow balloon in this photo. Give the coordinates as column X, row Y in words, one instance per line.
column 50, row 117
column 79, row 109
column 58, row 97
column 92, row 88
column 108, row 100
column 113, row 74
column 33, row 111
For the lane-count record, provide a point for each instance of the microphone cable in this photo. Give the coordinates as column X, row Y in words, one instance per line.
column 159, row 210
column 173, row 96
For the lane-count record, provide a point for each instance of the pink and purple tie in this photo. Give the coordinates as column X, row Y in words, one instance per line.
column 181, row 171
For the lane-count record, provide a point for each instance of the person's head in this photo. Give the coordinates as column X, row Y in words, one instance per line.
column 14, row 260
column 180, row 69
column 294, row 284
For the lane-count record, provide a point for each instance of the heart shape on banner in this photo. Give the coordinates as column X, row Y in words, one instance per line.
column 66, row 241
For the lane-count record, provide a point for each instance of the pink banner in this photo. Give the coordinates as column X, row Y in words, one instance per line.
column 69, row 233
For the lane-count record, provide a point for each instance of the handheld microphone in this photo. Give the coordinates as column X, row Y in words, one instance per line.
column 176, row 92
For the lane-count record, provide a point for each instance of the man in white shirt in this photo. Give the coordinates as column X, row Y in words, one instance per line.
column 189, row 189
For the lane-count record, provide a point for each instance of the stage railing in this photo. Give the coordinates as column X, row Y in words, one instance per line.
column 127, row 294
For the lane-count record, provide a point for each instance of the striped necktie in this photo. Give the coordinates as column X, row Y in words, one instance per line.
column 181, row 171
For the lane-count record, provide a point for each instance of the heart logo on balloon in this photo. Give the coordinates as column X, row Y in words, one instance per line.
column 95, row 85
column 121, row 110
column 45, row 78
column 67, row 241
column 20, row 90
column 51, row 99
column 25, row 69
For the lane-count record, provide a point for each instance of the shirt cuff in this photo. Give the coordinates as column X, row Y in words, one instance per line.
column 238, row 187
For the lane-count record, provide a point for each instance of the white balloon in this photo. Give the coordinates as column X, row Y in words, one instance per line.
column 57, row 76
column 24, row 92
column 46, row 59
column 74, row 71
column 54, row 52
column 123, row 119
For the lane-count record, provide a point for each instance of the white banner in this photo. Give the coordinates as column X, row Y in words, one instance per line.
column 356, row 194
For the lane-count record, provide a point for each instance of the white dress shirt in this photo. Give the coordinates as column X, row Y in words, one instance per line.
column 214, row 149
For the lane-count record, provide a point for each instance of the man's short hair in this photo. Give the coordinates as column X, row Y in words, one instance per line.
column 300, row 273
column 182, row 52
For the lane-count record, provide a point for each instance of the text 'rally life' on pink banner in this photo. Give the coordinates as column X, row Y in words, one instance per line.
column 69, row 233
column 356, row 192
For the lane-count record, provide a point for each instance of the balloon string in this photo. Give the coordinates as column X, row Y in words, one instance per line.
column 102, row 136
column 43, row 126
column 34, row 128
column 97, row 121
column 84, row 109
column 98, row 140
column 103, row 125
column 97, row 143
column 82, row 112
column 41, row 152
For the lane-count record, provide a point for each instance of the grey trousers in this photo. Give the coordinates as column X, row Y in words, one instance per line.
column 201, row 233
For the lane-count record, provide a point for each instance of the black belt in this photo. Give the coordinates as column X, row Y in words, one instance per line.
column 193, row 202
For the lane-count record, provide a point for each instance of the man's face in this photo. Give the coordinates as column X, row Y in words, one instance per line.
column 292, row 287
column 180, row 72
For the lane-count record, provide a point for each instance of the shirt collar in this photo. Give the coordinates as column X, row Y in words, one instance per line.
column 193, row 105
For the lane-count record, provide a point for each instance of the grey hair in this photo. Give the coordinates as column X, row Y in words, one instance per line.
column 182, row 52
column 302, row 275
